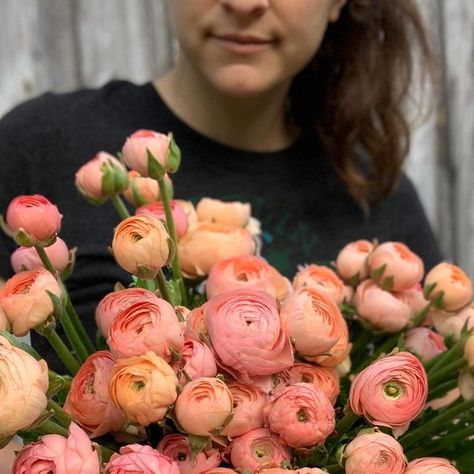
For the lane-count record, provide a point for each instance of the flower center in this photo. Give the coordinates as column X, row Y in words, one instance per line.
column 138, row 385
column 392, row 390
column 302, row 416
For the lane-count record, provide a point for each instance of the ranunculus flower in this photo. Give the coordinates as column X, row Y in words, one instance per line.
column 312, row 320
column 380, row 309
column 25, row 299
column 391, row 391
column 452, row 324
column 430, row 465
column 233, row 213
column 220, row 470
column 301, row 414
column 23, row 386
column 34, row 215
column 445, row 400
column 141, row 246
column 146, row 326
column 424, row 342
column 204, row 406
column 143, row 387
column 466, row 383
column 415, row 299
column 195, row 327
column 258, row 449
column 88, row 400
column 248, row 409
column 115, row 302
column 101, row 177
column 469, row 351
column 197, row 360
column 374, row 453
column 4, row 323
column 453, row 283
column 189, row 210
column 351, row 261
column 206, row 243
column 309, row 470
column 176, row 446
column 142, row 190
column 247, row 334
column 323, row 279
column 136, row 458
column 247, row 272
column 157, row 209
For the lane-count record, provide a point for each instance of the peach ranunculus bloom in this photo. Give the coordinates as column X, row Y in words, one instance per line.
column 351, row 262
column 301, row 414
column 221, row 470
column 146, row 326
column 374, row 453
column 430, row 465
column 452, row 283
column 88, row 400
column 25, row 300
column 189, row 210
column 102, row 176
column 452, row 324
column 35, row 216
column 395, row 267
column 4, row 323
column 176, row 446
column 142, row 190
column 415, row 299
column 195, row 327
column 247, row 271
column 206, row 243
column 258, row 449
column 137, row 458
column 157, row 209
column 204, row 406
column 141, row 246
column 247, row 334
column 392, row 391
column 321, row 278
column 424, row 342
column 380, row 309
column 233, row 213
column 23, row 386
column 469, row 351
column 54, row 453
column 143, row 387
column 466, row 383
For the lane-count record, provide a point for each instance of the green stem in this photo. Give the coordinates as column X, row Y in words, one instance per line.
column 79, row 327
column 446, row 372
column 442, row 389
column 61, row 416
column 453, row 353
column 334, row 469
column 345, row 423
column 147, row 284
column 63, row 352
column 50, row 427
column 387, row 346
column 45, row 260
column 421, row 316
column 163, row 287
column 119, row 206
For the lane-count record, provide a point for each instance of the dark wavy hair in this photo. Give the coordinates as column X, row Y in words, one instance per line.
column 355, row 89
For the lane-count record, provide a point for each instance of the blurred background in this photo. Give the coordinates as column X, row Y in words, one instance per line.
column 61, row 45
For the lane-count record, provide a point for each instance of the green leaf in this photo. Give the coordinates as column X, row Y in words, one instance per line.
column 427, row 289
column 376, row 274
column 174, row 155
column 197, row 444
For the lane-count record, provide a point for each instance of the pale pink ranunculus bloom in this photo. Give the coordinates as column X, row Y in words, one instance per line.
column 351, row 261
column 374, row 453
column 23, row 386
column 452, row 324
column 453, row 283
column 189, row 210
column 233, row 213
column 466, row 383
column 392, row 391
column 415, row 299
column 157, row 210
column 321, row 278
column 143, row 387
column 142, row 190
column 141, row 246
column 247, row 271
column 204, row 406
column 88, row 400
column 247, row 334
column 469, row 351
column 137, row 458
column 249, row 401
column 430, row 465
column 424, row 342
column 25, row 299
column 445, row 400
column 36, row 216
column 176, row 446
column 258, row 449
column 195, row 327
column 197, row 360
column 380, row 309
column 146, row 326
column 301, row 414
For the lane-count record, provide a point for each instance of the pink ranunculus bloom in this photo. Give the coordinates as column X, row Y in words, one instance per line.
column 247, row 334
column 374, row 453
column 424, row 342
column 25, row 299
column 115, row 302
column 157, row 209
column 247, row 272
column 88, row 400
column 323, row 279
column 249, row 401
column 195, row 327
column 430, row 465
column 351, row 261
column 452, row 324
column 380, row 309
column 233, row 213
column 189, row 210
column 142, row 190
column 35, row 216
column 391, row 391
column 204, row 406
column 221, row 470
column 197, row 360
column 309, row 470
column 136, row 458
column 301, row 414
column 445, row 400
column 414, row 298
column 258, row 449
column 146, row 326
column 4, row 323
column 176, row 446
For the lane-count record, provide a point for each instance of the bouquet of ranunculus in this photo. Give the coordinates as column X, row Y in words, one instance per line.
column 211, row 361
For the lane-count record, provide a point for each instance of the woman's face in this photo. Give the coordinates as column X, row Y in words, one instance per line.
column 246, row 47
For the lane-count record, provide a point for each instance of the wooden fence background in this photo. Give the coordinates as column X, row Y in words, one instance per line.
column 62, row 45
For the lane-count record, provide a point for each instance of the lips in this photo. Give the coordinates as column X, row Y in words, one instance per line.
column 242, row 39
column 242, row 44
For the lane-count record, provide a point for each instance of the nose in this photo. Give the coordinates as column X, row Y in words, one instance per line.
column 245, row 8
